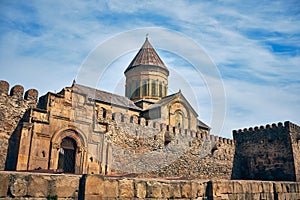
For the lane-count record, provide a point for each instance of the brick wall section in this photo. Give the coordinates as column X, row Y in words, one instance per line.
column 264, row 153
column 16, row 185
column 12, row 109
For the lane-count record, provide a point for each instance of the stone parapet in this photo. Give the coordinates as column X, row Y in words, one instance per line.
column 25, row 185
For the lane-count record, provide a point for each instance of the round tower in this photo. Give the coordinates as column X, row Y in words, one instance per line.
column 146, row 77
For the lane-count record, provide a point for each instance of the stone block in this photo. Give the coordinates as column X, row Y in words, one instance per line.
column 64, row 186
column 166, row 191
column 19, row 186
column 140, row 188
column 4, row 186
column 222, row 187
column 176, row 190
column 111, row 188
column 38, row 186
column 126, row 188
column 278, row 187
column 267, row 187
column 266, row 196
column 237, row 187
column 93, row 185
column 198, row 189
column 256, row 188
column 154, row 189
column 186, row 190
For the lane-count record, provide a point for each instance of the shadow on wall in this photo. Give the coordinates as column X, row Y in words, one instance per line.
column 14, row 144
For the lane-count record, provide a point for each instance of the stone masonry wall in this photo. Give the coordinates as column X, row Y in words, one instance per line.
column 294, row 131
column 12, row 109
column 264, row 153
column 16, row 185
column 141, row 148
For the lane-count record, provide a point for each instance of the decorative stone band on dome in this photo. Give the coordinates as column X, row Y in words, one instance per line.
column 147, row 56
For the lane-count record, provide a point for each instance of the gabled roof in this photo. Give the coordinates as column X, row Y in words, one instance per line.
column 165, row 100
column 202, row 124
column 146, row 56
column 106, row 97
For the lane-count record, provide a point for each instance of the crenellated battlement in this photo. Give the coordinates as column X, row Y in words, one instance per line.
column 221, row 140
column 268, row 127
column 292, row 127
column 140, row 123
column 17, row 92
column 266, row 147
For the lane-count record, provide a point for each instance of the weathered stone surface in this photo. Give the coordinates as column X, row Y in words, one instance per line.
column 176, row 189
column 126, row 188
column 267, row 153
column 38, row 186
column 110, row 188
column 35, row 186
column 140, row 188
column 4, row 184
column 64, row 186
column 186, row 190
column 198, row 188
column 95, row 185
column 154, row 189
column 18, row 188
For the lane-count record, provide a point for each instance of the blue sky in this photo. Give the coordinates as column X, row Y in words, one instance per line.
column 255, row 45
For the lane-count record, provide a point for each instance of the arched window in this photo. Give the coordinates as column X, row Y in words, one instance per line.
column 104, row 112
column 179, row 117
column 160, row 89
column 153, row 88
column 144, row 88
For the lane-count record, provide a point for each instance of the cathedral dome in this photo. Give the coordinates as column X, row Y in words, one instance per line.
column 146, row 76
column 146, row 56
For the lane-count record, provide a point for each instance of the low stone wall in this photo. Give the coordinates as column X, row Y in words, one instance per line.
column 241, row 189
column 98, row 187
column 24, row 185
column 21, row 185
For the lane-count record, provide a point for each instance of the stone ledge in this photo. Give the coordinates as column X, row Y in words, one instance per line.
column 25, row 185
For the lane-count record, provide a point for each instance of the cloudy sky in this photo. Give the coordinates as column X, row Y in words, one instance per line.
column 254, row 45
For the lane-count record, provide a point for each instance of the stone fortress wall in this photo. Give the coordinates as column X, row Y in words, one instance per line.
column 268, row 152
column 159, row 150
column 12, row 110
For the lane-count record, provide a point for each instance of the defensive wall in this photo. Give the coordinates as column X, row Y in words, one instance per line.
column 16, row 185
column 13, row 105
column 268, row 152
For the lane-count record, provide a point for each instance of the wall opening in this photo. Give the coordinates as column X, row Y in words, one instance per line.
column 67, row 154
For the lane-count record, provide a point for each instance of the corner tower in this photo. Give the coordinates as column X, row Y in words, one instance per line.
column 146, row 77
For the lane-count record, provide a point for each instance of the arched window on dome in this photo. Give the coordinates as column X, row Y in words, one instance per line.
column 153, row 88
column 144, row 88
column 160, row 89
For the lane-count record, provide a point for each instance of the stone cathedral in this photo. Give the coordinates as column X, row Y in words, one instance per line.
column 147, row 132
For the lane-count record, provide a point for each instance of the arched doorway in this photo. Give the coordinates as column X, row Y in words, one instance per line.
column 67, row 155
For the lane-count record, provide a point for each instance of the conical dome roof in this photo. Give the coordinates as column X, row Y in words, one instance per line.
column 146, row 56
